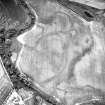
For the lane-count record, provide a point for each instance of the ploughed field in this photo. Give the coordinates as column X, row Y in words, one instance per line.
column 64, row 55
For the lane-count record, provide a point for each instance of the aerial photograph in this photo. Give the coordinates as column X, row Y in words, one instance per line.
column 52, row 52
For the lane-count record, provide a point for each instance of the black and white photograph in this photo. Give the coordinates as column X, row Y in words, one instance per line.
column 52, row 52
